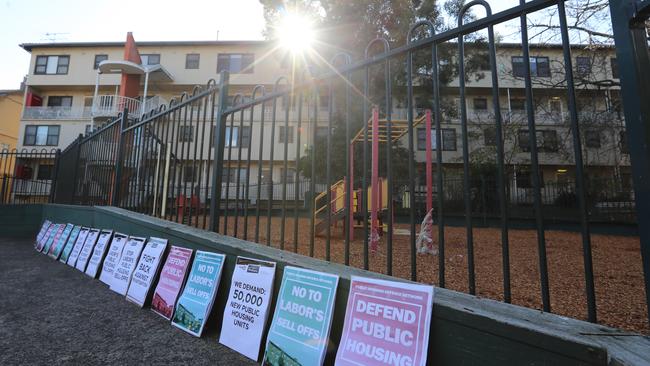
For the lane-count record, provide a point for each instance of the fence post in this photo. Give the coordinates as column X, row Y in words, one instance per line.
column 115, row 199
column 219, row 143
column 76, row 170
column 633, row 57
column 57, row 157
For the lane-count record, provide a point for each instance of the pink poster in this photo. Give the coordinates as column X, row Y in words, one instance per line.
column 171, row 281
column 386, row 323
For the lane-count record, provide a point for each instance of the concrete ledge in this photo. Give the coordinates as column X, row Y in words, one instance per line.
column 465, row 329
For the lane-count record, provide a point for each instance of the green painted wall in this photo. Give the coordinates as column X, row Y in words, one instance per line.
column 465, row 330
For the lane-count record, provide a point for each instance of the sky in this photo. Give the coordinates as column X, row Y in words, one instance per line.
column 28, row 21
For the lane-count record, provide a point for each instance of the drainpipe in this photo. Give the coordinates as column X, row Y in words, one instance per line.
column 146, row 87
column 95, row 102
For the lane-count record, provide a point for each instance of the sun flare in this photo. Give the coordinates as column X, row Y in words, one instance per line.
column 296, row 33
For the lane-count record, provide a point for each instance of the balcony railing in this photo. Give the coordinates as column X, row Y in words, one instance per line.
column 56, row 113
column 102, row 106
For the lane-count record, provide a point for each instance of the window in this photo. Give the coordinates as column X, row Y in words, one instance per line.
column 291, row 175
column 324, row 101
column 52, row 65
column 321, row 132
column 583, row 66
column 45, row 171
column 230, row 175
column 623, row 141
column 614, row 65
column 186, row 133
column 525, row 178
column 480, row 104
column 150, row 59
column 266, row 176
column 547, row 141
column 89, row 130
column 188, row 174
column 539, row 66
column 245, row 137
column 555, row 107
column 192, row 60
column 41, row 135
column 232, row 136
column 448, row 139
column 592, row 138
column 285, row 134
column 490, row 136
column 235, row 63
column 517, row 104
column 59, row 101
column 98, row 59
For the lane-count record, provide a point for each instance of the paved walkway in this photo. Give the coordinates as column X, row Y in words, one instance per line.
column 51, row 313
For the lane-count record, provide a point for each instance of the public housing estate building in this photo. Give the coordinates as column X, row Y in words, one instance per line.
column 61, row 103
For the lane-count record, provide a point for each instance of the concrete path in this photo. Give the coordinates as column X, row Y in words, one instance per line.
column 52, row 314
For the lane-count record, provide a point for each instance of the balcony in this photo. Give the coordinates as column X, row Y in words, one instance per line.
column 57, row 113
column 106, row 106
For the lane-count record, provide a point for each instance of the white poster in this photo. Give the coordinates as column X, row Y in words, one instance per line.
column 99, row 252
column 146, row 270
column 248, row 306
column 113, row 257
column 78, row 245
column 126, row 265
column 87, row 249
column 41, row 233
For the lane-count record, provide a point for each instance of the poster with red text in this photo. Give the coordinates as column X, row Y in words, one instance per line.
column 386, row 323
column 171, row 281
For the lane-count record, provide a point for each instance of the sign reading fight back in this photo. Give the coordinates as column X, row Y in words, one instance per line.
column 195, row 303
column 146, row 270
column 386, row 323
column 171, row 281
column 303, row 315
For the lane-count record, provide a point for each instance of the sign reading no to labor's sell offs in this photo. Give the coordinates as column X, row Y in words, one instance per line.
column 301, row 323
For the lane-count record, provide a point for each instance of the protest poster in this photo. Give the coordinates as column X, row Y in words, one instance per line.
column 87, row 249
column 195, row 303
column 48, row 233
column 386, row 323
column 146, row 270
column 98, row 253
column 113, row 257
column 78, row 245
column 248, row 306
column 41, row 233
column 53, row 238
column 69, row 245
column 126, row 265
column 301, row 323
column 57, row 247
column 171, row 281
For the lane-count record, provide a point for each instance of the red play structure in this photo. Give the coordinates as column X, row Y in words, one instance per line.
column 378, row 198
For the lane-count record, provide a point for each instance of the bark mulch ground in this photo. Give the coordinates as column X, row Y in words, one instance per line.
column 620, row 295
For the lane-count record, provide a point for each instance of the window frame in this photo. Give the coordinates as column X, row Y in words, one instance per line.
column 584, row 66
column 183, row 135
column 40, row 170
column 613, row 64
column 482, row 99
column 96, row 64
column 188, row 61
column 282, row 133
column 448, row 144
column 148, row 55
column 62, row 98
column 48, row 135
column 245, row 68
column 520, row 71
column 58, row 64
column 589, row 139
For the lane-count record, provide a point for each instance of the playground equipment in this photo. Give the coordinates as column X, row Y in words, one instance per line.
column 378, row 131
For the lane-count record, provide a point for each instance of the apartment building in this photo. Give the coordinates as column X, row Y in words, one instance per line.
column 66, row 96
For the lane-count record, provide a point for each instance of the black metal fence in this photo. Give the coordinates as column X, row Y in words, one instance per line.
column 261, row 181
column 22, row 183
